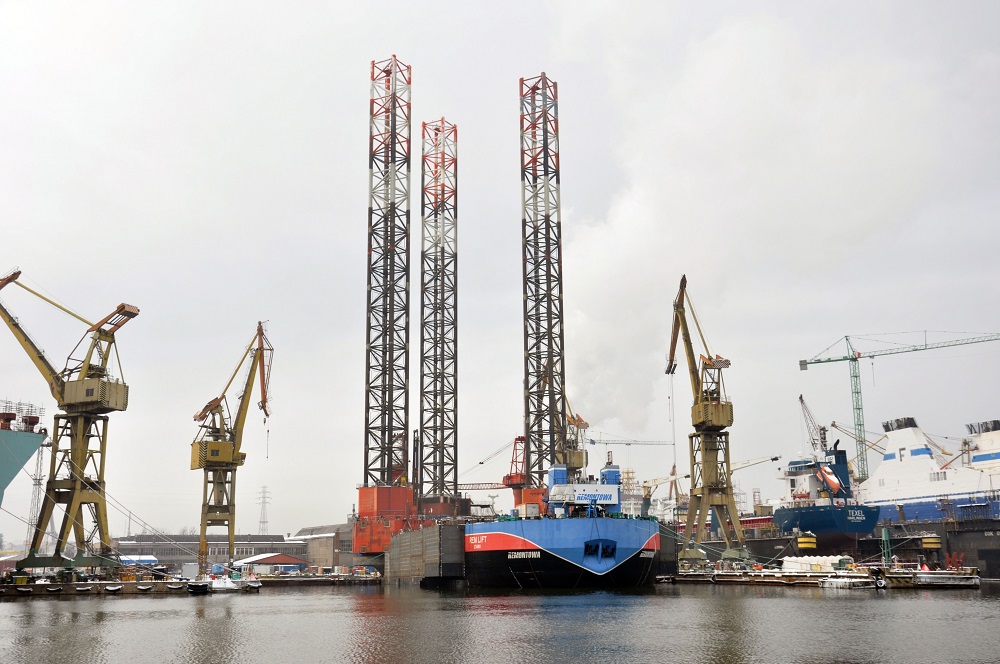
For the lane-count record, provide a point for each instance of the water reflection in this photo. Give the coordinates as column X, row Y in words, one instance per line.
column 669, row 623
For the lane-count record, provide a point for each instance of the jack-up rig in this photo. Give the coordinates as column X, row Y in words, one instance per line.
column 711, row 414
column 435, row 459
column 217, row 447
column 385, row 500
column 392, row 498
column 545, row 418
column 394, row 495
column 86, row 391
column 554, row 435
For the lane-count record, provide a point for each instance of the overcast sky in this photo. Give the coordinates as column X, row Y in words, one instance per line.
column 816, row 170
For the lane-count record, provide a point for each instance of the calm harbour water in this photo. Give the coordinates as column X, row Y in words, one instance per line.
column 402, row 625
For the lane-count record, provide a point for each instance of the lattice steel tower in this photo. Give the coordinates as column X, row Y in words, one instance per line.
column 544, row 365
column 387, row 333
column 438, row 436
column 264, row 499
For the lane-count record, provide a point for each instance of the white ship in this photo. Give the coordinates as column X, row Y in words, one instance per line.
column 913, row 483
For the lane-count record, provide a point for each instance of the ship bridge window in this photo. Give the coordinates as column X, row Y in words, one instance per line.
column 939, row 476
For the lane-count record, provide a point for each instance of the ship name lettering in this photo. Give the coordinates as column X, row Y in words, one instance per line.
column 477, row 539
column 594, row 496
column 511, row 555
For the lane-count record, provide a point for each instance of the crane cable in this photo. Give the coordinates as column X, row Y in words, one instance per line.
column 492, row 456
column 117, row 505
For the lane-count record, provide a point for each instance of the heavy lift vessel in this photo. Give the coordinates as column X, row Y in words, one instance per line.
column 569, row 533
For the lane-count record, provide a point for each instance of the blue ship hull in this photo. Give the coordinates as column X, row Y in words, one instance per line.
column 952, row 507
column 16, row 447
column 562, row 553
column 831, row 524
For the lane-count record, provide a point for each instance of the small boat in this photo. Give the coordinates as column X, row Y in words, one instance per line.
column 83, row 589
column 113, row 589
column 252, row 586
column 174, row 586
column 847, row 583
column 903, row 577
column 53, row 589
column 144, row 589
column 23, row 589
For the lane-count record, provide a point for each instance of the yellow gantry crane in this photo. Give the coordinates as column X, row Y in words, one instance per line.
column 86, row 391
column 711, row 414
column 217, row 446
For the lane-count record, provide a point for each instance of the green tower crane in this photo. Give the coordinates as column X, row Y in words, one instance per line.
column 852, row 357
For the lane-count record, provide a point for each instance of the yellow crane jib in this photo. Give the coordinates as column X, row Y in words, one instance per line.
column 83, row 385
column 221, row 436
column 86, row 392
column 217, row 447
column 711, row 415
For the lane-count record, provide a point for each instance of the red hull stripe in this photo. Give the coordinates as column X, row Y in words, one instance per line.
column 498, row 542
column 508, row 542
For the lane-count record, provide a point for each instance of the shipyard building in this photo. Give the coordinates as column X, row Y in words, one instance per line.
column 173, row 551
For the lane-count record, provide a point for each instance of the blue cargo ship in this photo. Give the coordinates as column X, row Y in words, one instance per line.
column 580, row 538
column 820, row 499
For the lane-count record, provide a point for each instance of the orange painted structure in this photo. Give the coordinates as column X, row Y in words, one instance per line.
column 383, row 511
column 533, row 496
column 388, row 501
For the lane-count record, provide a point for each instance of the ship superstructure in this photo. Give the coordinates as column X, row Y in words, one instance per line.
column 819, row 499
column 913, row 483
